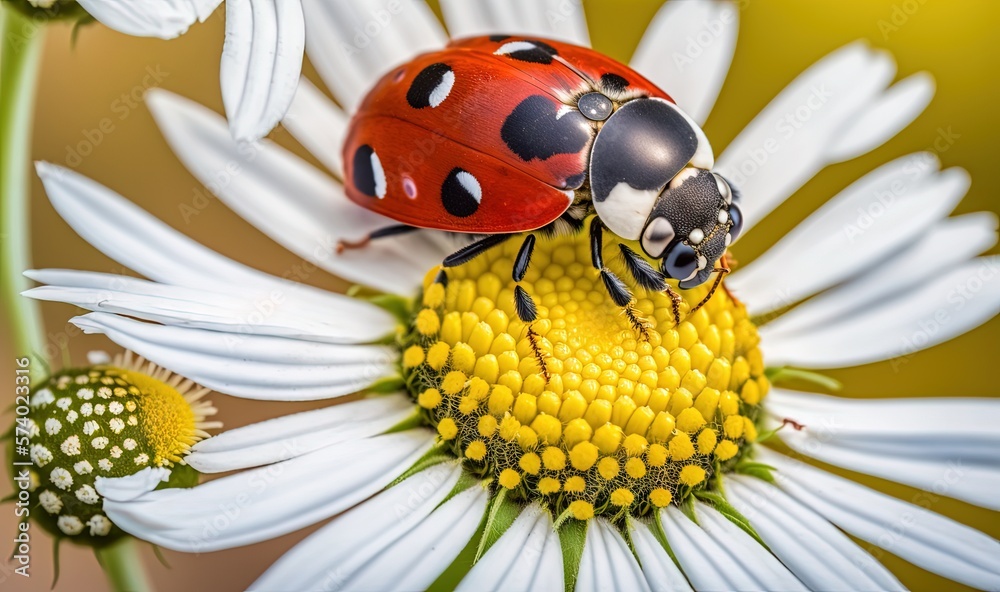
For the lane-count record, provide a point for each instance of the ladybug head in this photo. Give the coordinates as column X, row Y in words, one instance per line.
column 692, row 223
column 651, row 179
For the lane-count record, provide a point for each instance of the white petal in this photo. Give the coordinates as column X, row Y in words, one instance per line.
column 945, row 246
column 861, row 227
column 290, row 201
column 398, row 540
column 795, row 135
column 126, row 489
column 261, row 63
column 687, row 50
column 318, row 124
column 268, row 502
column 165, row 19
column 926, row 539
column 293, row 435
column 562, row 20
column 353, row 43
column 715, row 554
column 131, row 236
column 895, row 109
column 338, row 319
column 948, row 306
column 242, row 376
column 607, row 562
column 920, row 442
column 527, row 556
column 817, row 552
column 930, row 417
column 661, row 573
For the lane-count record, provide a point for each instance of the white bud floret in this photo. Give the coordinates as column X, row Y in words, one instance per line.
column 61, row 478
column 83, row 467
column 90, row 427
column 87, row 495
column 70, row 525
column 40, row 455
column 64, row 403
column 42, row 397
column 71, row 416
column 52, row 426
column 99, row 525
column 71, row 445
column 115, row 407
column 99, row 442
column 105, row 464
column 51, row 502
column 116, row 425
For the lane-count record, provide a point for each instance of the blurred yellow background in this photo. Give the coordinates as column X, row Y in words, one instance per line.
column 84, row 85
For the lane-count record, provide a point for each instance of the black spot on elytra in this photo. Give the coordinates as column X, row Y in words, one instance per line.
column 533, row 131
column 613, row 83
column 363, row 174
column 424, row 83
column 458, row 200
column 539, row 53
column 499, row 38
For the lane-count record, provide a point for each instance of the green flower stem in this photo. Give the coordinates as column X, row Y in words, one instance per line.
column 19, row 60
column 123, row 566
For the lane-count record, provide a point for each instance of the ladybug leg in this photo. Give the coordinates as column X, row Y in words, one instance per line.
column 343, row 245
column 722, row 271
column 616, row 288
column 523, row 303
column 649, row 278
column 473, row 250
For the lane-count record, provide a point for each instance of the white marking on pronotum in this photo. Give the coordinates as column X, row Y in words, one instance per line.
column 625, row 209
column 379, row 174
column 442, row 90
column 514, row 46
column 471, row 184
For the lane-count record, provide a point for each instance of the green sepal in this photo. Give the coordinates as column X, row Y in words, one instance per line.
column 756, row 469
column 687, row 506
column 414, row 420
column 572, row 538
column 661, row 536
column 399, row 307
column 732, row 514
column 55, row 561
column 465, row 481
column 500, row 514
column 434, row 456
column 158, row 552
column 182, row 476
column 387, row 385
column 784, row 374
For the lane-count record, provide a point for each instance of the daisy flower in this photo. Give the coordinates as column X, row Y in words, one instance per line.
column 654, row 463
column 112, row 418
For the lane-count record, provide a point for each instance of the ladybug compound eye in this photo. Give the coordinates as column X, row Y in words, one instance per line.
column 657, row 236
column 736, row 214
column 595, row 106
column 681, row 262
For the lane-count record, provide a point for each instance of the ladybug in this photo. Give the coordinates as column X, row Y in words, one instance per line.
column 499, row 136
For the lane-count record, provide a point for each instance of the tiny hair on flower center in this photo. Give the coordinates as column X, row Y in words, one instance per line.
column 110, row 420
column 621, row 421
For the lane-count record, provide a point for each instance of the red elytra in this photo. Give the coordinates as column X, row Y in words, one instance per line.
column 483, row 136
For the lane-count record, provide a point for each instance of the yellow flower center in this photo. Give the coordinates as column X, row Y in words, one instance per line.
column 107, row 421
column 621, row 420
